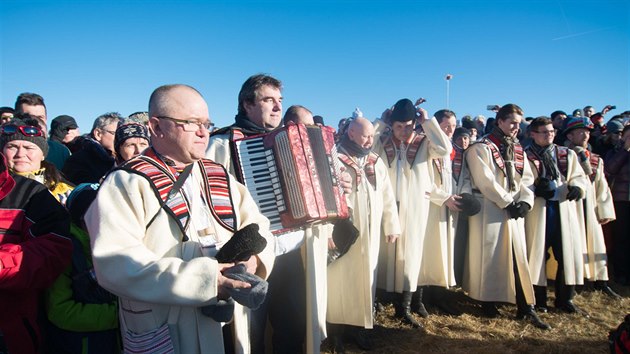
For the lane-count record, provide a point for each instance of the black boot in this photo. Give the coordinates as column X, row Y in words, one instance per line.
column 565, row 294
column 405, row 310
column 336, row 333
column 363, row 339
column 528, row 313
column 417, row 301
column 490, row 309
column 443, row 299
column 525, row 311
column 540, row 292
column 602, row 285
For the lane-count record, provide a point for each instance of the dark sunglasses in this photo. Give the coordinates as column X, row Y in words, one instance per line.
column 26, row 130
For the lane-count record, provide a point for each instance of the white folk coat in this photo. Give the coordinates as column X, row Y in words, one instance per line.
column 314, row 255
column 351, row 278
column 399, row 263
column 496, row 242
column 597, row 206
column 154, row 273
column 437, row 260
column 572, row 228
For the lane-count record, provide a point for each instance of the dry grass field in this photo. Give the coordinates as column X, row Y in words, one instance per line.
column 472, row 333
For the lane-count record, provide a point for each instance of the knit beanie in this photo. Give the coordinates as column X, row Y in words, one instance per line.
column 129, row 130
column 404, row 111
column 572, row 123
column 461, row 132
column 40, row 140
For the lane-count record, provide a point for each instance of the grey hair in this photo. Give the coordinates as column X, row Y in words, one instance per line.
column 106, row 119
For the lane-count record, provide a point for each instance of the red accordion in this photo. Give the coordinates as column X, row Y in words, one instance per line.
column 293, row 175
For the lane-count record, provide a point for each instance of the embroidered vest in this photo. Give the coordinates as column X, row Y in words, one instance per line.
column 594, row 160
column 368, row 169
column 438, row 166
column 390, row 149
column 562, row 154
column 457, row 161
column 519, row 156
column 215, row 187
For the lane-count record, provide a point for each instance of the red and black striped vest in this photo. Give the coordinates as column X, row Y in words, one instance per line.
column 368, row 170
column 390, row 150
column 519, row 156
column 215, row 187
column 562, row 154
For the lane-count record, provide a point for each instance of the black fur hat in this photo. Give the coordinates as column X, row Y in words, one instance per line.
column 470, row 204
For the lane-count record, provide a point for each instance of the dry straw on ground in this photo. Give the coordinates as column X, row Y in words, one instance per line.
column 472, row 333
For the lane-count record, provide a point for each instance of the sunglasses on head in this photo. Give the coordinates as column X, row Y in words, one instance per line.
column 26, row 130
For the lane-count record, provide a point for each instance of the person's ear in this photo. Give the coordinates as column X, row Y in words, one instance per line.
column 155, row 129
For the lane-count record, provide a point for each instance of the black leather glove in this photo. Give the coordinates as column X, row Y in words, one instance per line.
column 245, row 243
column 518, row 209
column 523, row 209
column 543, row 188
column 513, row 210
column 574, row 193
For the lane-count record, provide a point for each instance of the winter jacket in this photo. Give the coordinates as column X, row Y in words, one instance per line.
column 617, row 165
column 34, row 250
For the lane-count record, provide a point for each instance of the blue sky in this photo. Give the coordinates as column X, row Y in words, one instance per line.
column 91, row 57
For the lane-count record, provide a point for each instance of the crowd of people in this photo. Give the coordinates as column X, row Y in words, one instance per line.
column 143, row 236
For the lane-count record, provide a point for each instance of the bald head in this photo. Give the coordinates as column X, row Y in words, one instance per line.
column 298, row 115
column 167, row 99
column 361, row 131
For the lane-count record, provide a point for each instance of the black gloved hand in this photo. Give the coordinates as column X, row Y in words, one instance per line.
column 513, row 210
column 523, row 209
column 574, row 193
column 518, row 209
column 543, row 188
column 245, row 243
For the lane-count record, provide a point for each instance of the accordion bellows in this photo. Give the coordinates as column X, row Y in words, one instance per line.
column 293, row 175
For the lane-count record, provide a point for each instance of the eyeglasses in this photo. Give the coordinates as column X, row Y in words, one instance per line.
column 26, row 130
column 112, row 132
column 189, row 125
column 546, row 132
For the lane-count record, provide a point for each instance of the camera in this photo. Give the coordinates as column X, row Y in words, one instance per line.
column 611, row 107
column 491, row 107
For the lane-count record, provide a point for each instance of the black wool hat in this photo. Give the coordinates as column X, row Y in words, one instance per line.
column 39, row 140
column 470, row 204
column 460, row 132
column 404, row 111
column 468, row 124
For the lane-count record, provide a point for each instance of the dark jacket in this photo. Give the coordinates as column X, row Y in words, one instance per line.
column 34, row 250
column 88, row 164
column 83, row 316
column 617, row 167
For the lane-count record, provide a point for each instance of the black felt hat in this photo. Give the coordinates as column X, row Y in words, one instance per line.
column 404, row 111
column 470, row 204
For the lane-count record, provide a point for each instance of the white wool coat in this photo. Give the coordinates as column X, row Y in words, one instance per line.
column 154, row 273
column 571, row 224
column 399, row 263
column 437, row 259
column 597, row 206
column 496, row 242
column 314, row 254
column 351, row 278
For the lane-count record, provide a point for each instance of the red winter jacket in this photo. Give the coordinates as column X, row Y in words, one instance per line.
column 34, row 250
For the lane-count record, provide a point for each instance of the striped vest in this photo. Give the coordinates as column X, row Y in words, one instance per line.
column 519, row 155
column 562, row 154
column 368, row 170
column 390, row 150
column 215, row 187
